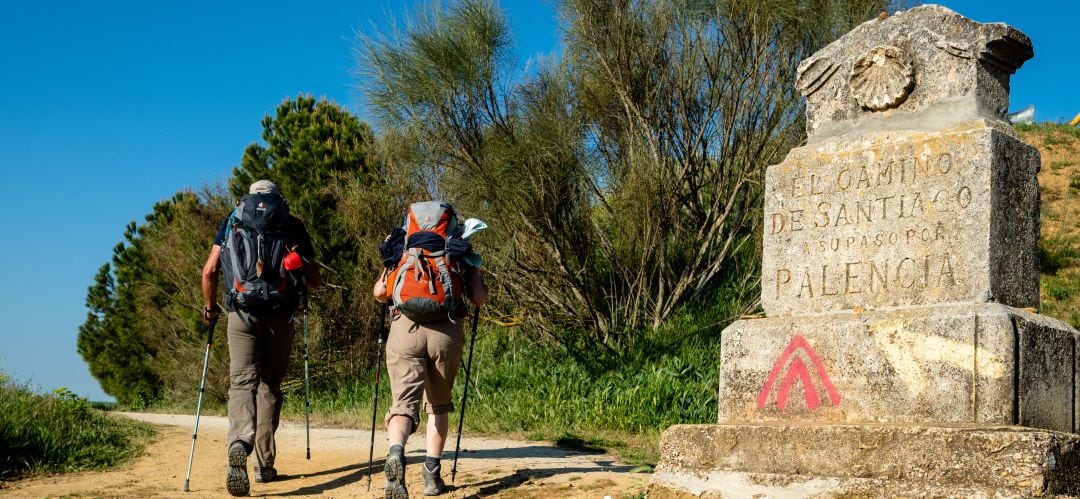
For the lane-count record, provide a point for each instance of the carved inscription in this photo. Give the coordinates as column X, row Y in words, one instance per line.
column 874, row 227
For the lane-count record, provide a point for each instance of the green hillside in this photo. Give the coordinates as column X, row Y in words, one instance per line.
column 1059, row 245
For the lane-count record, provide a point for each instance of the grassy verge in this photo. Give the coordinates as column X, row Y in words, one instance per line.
column 1059, row 244
column 61, row 432
column 622, row 404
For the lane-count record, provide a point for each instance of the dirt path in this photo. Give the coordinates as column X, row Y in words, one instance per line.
column 338, row 467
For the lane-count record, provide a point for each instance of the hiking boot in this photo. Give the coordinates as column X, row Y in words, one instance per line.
column 236, row 479
column 395, row 476
column 264, row 475
column 433, row 482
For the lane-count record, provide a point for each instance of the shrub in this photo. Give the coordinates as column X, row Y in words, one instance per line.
column 61, row 432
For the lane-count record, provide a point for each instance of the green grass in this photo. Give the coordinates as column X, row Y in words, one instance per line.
column 529, row 387
column 1057, row 288
column 1059, row 164
column 1053, row 134
column 61, row 432
column 1056, row 252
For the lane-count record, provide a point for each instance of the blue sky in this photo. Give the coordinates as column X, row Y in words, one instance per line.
column 108, row 107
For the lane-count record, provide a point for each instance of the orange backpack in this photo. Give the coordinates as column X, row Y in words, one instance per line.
column 425, row 285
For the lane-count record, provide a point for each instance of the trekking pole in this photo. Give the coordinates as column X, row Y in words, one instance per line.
column 307, row 396
column 465, row 394
column 198, row 407
column 375, row 391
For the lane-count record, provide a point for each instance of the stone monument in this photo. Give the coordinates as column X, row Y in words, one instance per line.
column 901, row 352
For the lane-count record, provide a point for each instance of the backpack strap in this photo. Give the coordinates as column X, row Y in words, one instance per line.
column 403, row 270
column 447, row 285
column 235, row 260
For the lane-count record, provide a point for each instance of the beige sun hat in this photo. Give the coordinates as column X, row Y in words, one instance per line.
column 263, row 187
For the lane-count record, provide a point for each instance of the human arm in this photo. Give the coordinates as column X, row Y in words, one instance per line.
column 475, row 288
column 379, row 290
column 312, row 276
column 211, row 310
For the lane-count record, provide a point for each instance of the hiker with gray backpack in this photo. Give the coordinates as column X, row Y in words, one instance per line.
column 430, row 269
column 267, row 264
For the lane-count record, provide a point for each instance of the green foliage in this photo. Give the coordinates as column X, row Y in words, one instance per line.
column 1051, row 134
column 1057, row 288
column 110, row 341
column 1059, row 244
column 621, row 180
column 530, row 387
column 143, row 331
column 61, row 432
column 144, row 337
column 1056, row 253
column 311, row 145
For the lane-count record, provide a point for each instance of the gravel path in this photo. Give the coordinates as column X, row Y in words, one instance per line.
column 338, row 467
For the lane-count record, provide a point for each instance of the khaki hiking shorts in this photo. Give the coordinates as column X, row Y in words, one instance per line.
column 422, row 361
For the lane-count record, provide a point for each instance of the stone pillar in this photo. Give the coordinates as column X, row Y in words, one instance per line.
column 901, row 349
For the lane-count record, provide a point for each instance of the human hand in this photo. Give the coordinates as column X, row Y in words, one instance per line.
column 211, row 313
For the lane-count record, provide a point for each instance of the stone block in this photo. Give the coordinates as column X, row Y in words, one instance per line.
column 922, row 69
column 866, row 461
column 893, row 219
column 948, row 364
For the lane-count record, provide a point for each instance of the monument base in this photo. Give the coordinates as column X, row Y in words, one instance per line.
column 830, row 460
column 949, row 364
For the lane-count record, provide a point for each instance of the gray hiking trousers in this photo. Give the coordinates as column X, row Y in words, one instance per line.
column 259, row 349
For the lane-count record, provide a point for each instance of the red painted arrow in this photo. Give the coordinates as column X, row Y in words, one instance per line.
column 797, row 370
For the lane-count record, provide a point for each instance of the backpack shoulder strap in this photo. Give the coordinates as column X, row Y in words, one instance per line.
column 229, row 222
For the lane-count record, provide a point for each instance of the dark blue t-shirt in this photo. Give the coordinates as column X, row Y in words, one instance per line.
column 295, row 235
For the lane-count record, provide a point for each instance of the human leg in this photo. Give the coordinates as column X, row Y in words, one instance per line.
column 445, row 342
column 243, row 342
column 398, row 428
column 273, row 363
column 436, row 439
column 405, row 367
column 436, row 434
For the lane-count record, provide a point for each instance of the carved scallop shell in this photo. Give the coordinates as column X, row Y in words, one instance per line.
column 882, row 78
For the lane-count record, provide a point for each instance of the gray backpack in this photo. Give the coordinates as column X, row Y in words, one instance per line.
column 252, row 256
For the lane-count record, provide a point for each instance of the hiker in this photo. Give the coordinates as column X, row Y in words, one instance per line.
column 267, row 259
column 425, row 343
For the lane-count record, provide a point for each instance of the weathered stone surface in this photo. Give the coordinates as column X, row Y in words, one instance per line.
column 854, row 460
column 949, row 364
column 890, row 219
column 939, row 69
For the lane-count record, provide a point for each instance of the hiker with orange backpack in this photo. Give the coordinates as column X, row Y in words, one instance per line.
column 430, row 268
column 267, row 261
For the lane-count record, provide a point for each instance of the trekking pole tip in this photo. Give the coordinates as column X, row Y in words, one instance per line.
column 309, row 454
column 186, row 485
